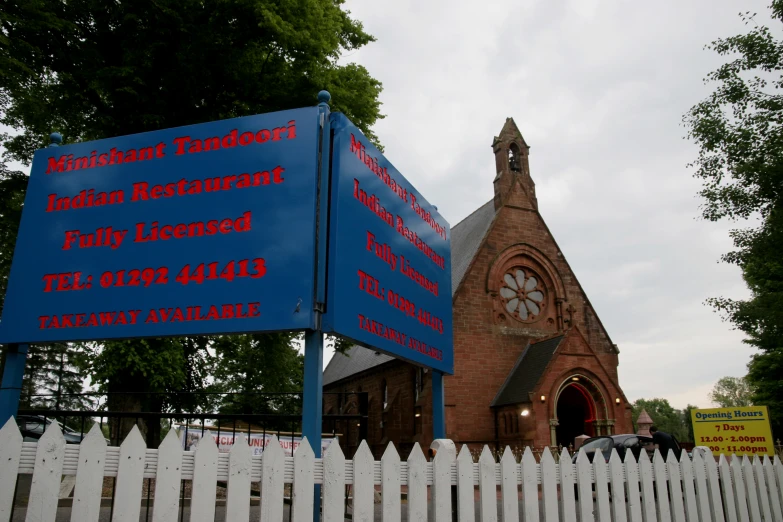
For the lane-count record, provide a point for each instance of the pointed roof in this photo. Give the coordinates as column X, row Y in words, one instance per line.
column 644, row 422
column 510, row 129
column 644, row 418
column 527, row 371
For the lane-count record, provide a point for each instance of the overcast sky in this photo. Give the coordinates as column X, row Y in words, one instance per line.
column 598, row 90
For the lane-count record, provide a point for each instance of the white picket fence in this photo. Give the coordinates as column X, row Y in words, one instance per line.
column 737, row 489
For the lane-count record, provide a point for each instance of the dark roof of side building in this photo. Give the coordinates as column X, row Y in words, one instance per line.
column 466, row 237
column 526, row 372
column 357, row 359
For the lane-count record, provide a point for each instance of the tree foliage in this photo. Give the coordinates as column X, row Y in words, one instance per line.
column 665, row 417
column 263, row 373
column 739, row 131
column 94, row 69
column 732, row 391
column 13, row 187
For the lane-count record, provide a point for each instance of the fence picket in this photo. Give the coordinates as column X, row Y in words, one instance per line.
column 272, row 487
column 167, row 481
column 774, row 489
column 601, row 486
column 688, row 488
column 713, row 485
column 10, row 452
column 441, row 486
column 751, row 491
column 584, row 487
column 334, row 484
column 465, row 489
column 617, row 485
column 205, row 464
column 509, row 504
column 761, row 488
column 675, row 488
column 727, row 488
column 390, row 485
column 417, row 485
column 646, row 476
column 363, row 485
column 302, row 497
column 529, row 488
column 239, row 467
column 659, row 469
column 130, row 476
column 702, row 497
column 89, row 477
column 42, row 506
column 549, row 485
column 632, row 488
column 488, row 507
column 778, row 466
column 739, row 488
column 567, row 486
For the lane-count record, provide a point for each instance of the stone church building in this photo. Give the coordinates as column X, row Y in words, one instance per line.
column 533, row 364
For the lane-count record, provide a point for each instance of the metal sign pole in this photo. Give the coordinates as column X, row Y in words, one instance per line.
column 312, row 406
column 11, row 385
column 438, row 406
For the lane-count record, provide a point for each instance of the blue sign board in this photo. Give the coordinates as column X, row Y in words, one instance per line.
column 389, row 282
column 192, row 230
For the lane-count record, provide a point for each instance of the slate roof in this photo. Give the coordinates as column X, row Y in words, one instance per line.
column 358, row 360
column 466, row 236
column 526, row 372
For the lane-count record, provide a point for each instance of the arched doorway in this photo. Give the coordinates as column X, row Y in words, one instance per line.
column 575, row 413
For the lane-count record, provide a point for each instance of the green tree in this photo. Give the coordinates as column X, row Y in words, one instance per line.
column 13, row 187
column 260, row 373
column 664, row 416
column 740, row 163
column 686, row 419
column 94, row 69
column 732, row 391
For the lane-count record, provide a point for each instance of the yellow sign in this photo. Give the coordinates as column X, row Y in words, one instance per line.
column 741, row 430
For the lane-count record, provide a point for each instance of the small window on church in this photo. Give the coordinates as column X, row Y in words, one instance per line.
column 385, row 394
column 514, row 162
column 523, row 294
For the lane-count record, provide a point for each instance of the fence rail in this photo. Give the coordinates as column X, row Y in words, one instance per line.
column 701, row 489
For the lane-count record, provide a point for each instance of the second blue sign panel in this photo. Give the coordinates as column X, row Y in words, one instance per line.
column 389, row 283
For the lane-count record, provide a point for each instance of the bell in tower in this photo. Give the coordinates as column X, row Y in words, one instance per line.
column 514, row 163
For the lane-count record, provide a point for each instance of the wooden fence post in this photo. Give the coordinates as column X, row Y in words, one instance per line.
column 89, row 477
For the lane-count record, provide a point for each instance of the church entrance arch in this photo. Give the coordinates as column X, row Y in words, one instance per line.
column 576, row 410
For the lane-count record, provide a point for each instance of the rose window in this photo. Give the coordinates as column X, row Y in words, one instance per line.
column 523, row 294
